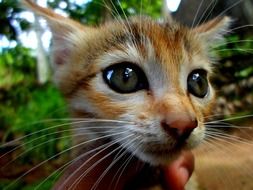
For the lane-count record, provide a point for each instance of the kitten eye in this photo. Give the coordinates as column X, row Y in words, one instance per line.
column 125, row 78
column 197, row 83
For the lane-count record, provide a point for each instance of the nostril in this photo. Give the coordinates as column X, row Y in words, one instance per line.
column 180, row 129
column 183, row 135
column 169, row 130
column 164, row 125
column 195, row 123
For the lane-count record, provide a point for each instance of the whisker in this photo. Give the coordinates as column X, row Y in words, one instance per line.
column 233, row 154
column 121, row 168
column 130, row 31
column 196, row 14
column 75, row 183
column 231, row 119
column 53, row 133
column 81, row 121
column 117, row 158
column 225, row 140
column 232, row 42
column 225, row 125
column 124, row 166
column 230, row 7
column 210, row 12
column 229, row 137
column 78, row 119
column 58, row 154
column 114, row 12
column 241, row 27
column 248, row 50
column 208, row 7
column 72, row 161
column 46, row 142
column 120, row 18
column 208, row 144
column 211, row 116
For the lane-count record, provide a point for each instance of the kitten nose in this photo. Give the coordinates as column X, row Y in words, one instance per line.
column 180, row 129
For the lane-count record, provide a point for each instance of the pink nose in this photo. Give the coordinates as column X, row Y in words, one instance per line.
column 180, row 129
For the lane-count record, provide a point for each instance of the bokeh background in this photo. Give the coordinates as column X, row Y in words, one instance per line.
column 31, row 106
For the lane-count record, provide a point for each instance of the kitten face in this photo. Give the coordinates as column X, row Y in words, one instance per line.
column 147, row 80
column 153, row 75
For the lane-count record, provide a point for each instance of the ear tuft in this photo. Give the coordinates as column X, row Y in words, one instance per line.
column 214, row 29
column 63, row 29
column 51, row 17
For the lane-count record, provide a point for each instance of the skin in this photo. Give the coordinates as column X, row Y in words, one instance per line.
column 176, row 174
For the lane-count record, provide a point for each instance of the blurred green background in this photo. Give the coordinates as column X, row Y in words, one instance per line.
column 29, row 102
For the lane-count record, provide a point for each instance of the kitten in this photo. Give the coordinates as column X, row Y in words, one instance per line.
column 145, row 83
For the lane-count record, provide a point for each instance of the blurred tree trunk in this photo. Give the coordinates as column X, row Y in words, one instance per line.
column 243, row 11
column 166, row 14
column 107, row 12
column 193, row 12
column 42, row 62
column 228, row 80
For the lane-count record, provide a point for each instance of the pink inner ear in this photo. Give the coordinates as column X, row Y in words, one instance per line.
column 61, row 48
column 60, row 57
column 216, row 26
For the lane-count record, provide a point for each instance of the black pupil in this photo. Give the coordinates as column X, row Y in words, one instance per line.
column 125, row 78
column 199, row 80
column 127, row 74
column 197, row 83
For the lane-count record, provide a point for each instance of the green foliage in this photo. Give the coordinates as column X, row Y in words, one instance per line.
column 236, row 56
column 25, row 111
column 4, row 183
column 17, row 67
column 9, row 21
column 97, row 11
column 40, row 184
column 24, row 105
column 236, row 45
column 144, row 7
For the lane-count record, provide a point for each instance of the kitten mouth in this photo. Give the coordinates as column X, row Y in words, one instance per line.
column 167, row 149
column 178, row 148
column 160, row 153
column 170, row 151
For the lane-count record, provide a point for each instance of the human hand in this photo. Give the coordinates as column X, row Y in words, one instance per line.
column 179, row 171
column 176, row 174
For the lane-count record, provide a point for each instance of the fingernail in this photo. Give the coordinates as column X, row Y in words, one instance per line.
column 184, row 173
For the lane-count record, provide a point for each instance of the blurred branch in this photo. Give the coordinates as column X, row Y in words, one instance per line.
column 42, row 63
column 166, row 14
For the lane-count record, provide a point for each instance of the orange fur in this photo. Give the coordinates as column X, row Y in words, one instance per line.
column 166, row 52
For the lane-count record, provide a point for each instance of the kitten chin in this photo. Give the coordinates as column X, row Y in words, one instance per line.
column 163, row 157
column 158, row 158
column 139, row 66
column 164, row 152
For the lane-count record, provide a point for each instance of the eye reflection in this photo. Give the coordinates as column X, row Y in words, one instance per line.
column 125, row 78
column 197, row 83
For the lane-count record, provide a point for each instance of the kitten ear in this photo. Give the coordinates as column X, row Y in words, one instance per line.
column 214, row 29
column 62, row 29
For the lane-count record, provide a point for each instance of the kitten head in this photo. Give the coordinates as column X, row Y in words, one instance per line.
column 153, row 75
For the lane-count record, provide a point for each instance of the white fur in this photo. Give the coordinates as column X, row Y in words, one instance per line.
column 149, row 131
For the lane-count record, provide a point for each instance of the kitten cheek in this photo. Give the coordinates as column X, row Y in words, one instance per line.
column 143, row 116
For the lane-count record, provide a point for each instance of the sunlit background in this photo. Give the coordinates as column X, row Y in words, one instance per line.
column 31, row 104
column 29, row 39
